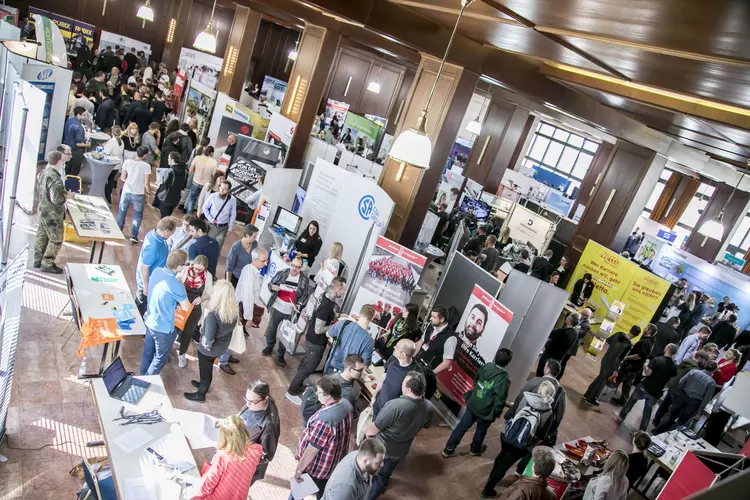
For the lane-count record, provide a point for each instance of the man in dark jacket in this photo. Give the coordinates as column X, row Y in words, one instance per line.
column 632, row 364
column 583, row 329
column 666, row 333
column 97, row 84
column 106, row 114
column 476, row 244
column 619, row 345
column 559, row 343
column 696, row 362
column 534, row 487
column 132, row 60
column 158, row 107
column 262, row 420
column 139, row 113
column 541, row 266
column 484, row 404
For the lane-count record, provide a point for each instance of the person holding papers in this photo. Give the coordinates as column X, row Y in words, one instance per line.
column 234, row 464
column 199, row 284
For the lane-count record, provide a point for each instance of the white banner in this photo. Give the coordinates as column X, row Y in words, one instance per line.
column 202, row 67
column 530, row 227
column 113, row 39
column 54, row 81
column 280, row 130
column 51, row 42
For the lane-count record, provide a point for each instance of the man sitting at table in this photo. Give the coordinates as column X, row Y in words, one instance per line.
column 49, row 234
column 165, row 293
column 153, row 254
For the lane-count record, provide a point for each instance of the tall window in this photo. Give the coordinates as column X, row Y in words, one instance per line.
column 692, row 213
column 658, row 189
column 740, row 242
column 561, row 152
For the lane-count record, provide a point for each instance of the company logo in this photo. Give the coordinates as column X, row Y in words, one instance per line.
column 530, row 222
column 44, row 75
column 266, row 151
column 228, row 108
column 272, row 269
column 366, row 206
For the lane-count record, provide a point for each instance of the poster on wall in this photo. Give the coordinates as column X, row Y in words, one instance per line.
column 649, row 249
column 338, row 109
column 272, row 93
column 449, row 190
column 361, row 130
column 480, row 333
column 377, row 119
column 107, row 38
column 231, row 117
column 529, row 226
column 280, row 131
column 74, row 32
column 199, row 100
column 201, row 67
column 391, row 277
column 642, row 297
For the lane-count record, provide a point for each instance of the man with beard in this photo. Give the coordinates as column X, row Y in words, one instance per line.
column 469, row 358
column 352, row 477
column 220, row 211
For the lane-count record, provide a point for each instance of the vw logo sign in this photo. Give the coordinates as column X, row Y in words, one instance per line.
column 44, row 75
column 272, row 269
column 366, row 206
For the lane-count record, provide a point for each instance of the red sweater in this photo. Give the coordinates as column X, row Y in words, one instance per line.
column 228, row 478
column 724, row 372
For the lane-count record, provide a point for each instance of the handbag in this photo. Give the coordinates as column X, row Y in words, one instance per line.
column 237, row 344
column 365, row 418
column 609, row 390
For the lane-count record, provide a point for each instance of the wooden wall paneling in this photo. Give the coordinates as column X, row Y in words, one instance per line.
column 481, row 157
column 399, row 104
column 509, row 141
column 708, row 248
column 312, row 40
column 271, row 52
column 592, row 177
column 390, row 83
column 349, row 78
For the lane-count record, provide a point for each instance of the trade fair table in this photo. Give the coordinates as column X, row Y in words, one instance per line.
column 138, row 473
column 100, row 293
column 675, row 444
column 100, row 170
column 93, row 221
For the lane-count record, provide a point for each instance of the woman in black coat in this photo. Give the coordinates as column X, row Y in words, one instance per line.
column 308, row 244
column 169, row 192
column 262, row 420
column 582, row 290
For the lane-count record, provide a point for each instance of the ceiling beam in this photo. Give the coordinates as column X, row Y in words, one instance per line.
column 454, row 11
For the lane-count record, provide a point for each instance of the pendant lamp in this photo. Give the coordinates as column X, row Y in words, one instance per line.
column 374, row 86
column 475, row 125
column 145, row 12
column 294, row 53
column 206, row 40
column 715, row 228
column 413, row 146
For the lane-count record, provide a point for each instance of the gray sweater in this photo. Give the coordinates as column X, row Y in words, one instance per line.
column 149, row 141
column 215, row 336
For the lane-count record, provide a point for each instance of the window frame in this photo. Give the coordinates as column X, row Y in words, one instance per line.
column 565, row 145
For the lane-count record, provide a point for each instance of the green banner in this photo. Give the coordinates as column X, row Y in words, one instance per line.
column 363, row 125
column 47, row 25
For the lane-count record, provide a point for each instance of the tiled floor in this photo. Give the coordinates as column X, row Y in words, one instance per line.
column 50, row 406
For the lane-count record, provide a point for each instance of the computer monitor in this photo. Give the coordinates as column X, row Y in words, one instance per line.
column 481, row 209
column 299, row 199
column 287, row 220
column 114, row 374
column 254, row 149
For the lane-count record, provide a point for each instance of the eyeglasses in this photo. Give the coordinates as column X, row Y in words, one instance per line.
column 253, row 402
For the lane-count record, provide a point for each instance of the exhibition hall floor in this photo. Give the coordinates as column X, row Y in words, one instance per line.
column 49, row 405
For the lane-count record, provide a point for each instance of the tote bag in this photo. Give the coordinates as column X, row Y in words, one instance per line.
column 237, row 344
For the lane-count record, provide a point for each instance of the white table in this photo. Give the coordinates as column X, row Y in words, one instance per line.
column 677, row 445
column 100, row 170
column 88, row 297
column 93, row 221
column 99, row 136
column 168, row 438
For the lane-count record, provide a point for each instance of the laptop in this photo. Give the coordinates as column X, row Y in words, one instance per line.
column 122, row 386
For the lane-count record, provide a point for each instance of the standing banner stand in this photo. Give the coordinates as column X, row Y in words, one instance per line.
column 54, row 81
column 529, row 227
column 202, row 67
column 536, row 306
column 199, row 100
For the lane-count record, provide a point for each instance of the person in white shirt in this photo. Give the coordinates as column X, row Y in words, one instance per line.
column 181, row 239
column 115, row 149
column 136, row 176
column 220, row 210
column 249, row 286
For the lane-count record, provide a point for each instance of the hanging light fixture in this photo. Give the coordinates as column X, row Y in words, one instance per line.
column 715, row 228
column 374, row 86
column 413, row 146
column 475, row 125
column 206, row 40
column 145, row 12
column 295, row 51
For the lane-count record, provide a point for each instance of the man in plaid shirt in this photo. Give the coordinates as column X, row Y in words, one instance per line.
column 325, row 440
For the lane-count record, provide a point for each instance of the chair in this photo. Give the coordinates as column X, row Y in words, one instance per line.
column 101, row 485
column 73, row 183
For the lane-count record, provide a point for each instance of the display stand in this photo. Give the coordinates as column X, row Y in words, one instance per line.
column 93, row 221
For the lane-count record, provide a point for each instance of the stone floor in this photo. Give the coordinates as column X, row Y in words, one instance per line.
column 50, row 406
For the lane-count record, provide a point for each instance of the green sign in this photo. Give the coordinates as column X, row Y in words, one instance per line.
column 362, row 125
column 47, row 25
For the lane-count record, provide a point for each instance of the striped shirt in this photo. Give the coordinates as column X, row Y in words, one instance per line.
column 327, row 430
column 248, row 290
column 229, row 478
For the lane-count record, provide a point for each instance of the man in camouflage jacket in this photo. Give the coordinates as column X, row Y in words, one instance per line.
column 51, row 207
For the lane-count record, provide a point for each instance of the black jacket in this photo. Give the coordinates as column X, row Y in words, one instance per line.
column 665, row 335
column 141, row 115
column 184, row 146
column 540, row 268
column 577, row 288
column 106, row 114
column 158, row 111
column 266, row 433
column 132, row 60
column 175, row 181
column 560, row 342
column 723, row 334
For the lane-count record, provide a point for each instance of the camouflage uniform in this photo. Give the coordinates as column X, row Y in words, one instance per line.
column 49, row 236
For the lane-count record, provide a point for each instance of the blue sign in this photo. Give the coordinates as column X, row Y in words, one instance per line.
column 734, row 260
column 366, row 206
column 49, row 89
column 667, row 235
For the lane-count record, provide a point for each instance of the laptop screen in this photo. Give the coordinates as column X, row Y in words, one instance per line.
column 114, row 374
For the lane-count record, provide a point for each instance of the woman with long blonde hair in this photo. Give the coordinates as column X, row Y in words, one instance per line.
column 612, row 483
column 132, row 139
column 219, row 320
column 233, row 465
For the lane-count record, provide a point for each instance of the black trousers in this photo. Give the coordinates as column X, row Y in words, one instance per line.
column 186, row 336
column 308, row 365
column 73, row 167
column 682, row 410
column 505, row 459
column 598, row 384
column 626, row 376
column 111, row 185
column 165, row 210
column 205, row 367
column 664, row 407
column 715, row 426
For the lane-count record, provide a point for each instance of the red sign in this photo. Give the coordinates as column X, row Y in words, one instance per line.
column 689, row 477
column 401, row 251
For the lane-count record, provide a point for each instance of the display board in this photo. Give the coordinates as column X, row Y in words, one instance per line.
column 93, row 219
column 339, row 109
column 362, row 128
column 74, row 32
column 107, row 38
column 458, row 280
column 715, row 281
column 280, row 131
column 649, row 249
column 449, row 190
column 529, row 227
column 54, row 81
column 202, row 67
column 249, row 163
column 390, row 277
column 200, row 100
column 229, row 117
column 690, row 476
column 51, row 44
column 426, row 232
column 481, row 329
column 272, row 93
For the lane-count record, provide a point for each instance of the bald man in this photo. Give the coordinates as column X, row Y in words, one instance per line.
column 401, row 363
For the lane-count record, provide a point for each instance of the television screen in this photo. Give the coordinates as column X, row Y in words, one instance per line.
column 299, row 199
column 481, row 209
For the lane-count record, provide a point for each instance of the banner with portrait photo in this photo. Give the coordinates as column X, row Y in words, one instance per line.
column 391, row 277
column 480, row 333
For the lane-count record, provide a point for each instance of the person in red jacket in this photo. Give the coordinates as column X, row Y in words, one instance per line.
column 727, row 368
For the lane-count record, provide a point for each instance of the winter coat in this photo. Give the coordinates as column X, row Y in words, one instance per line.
column 487, row 399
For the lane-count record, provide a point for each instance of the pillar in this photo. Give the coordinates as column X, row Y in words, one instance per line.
column 239, row 50
column 413, row 193
column 681, row 197
column 593, row 176
column 629, row 175
column 175, row 38
column 708, row 248
column 307, row 83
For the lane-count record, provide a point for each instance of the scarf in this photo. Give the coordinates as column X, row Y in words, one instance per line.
column 399, row 330
column 194, row 278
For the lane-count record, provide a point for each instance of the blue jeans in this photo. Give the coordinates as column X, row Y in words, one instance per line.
column 381, row 478
column 648, row 405
column 138, row 200
column 467, row 420
column 195, row 191
column 224, row 358
column 155, row 351
column 274, row 321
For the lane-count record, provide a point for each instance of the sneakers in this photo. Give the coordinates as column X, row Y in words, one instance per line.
column 266, row 351
column 294, row 399
column 617, row 415
column 37, row 264
column 181, row 360
column 479, row 453
column 280, row 362
column 134, row 239
column 53, row 269
column 592, row 402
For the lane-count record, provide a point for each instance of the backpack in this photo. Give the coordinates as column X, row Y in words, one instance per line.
column 520, row 431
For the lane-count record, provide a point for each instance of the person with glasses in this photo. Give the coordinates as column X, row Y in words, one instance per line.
column 354, row 365
column 290, row 290
column 262, row 420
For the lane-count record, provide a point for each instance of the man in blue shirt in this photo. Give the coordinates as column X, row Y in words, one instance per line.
column 74, row 135
column 203, row 244
column 165, row 293
column 153, row 254
column 353, row 338
column 240, row 254
column 220, row 210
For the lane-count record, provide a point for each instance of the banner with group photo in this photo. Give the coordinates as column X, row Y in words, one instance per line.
column 391, row 277
column 361, row 128
column 480, row 333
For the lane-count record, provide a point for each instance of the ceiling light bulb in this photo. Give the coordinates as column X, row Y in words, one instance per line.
column 712, row 229
column 474, row 127
column 293, row 55
column 205, row 41
column 145, row 12
column 374, row 86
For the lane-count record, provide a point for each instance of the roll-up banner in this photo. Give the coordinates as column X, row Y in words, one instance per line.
column 112, row 39
column 201, row 67
column 74, row 32
column 480, row 333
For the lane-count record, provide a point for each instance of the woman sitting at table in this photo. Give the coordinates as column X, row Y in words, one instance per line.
column 219, row 321
column 262, row 420
column 114, row 148
column 198, row 286
column 612, row 483
column 582, row 290
column 405, row 326
column 233, row 465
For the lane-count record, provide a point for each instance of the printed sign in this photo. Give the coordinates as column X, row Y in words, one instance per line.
column 74, row 32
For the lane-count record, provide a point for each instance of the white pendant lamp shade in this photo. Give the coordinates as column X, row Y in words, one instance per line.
column 474, row 127
column 413, row 146
column 293, row 55
column 713, row 229
column 145, row 12
column 206, row 41
column 374, row 86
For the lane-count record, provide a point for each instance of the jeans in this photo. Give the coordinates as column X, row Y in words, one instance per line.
column 627, row 376
column 664, row 407
column 219, row 233
column 138, row 200
column 507, row 457
column 308, row 365
column 224, row 358
column 648, row 404
column 192, row 199
column 381, row 478
column 155, row 351
column 682, row 410
column 274, row 321
column 205, row 367
column 598, row 384
column 467, row 420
